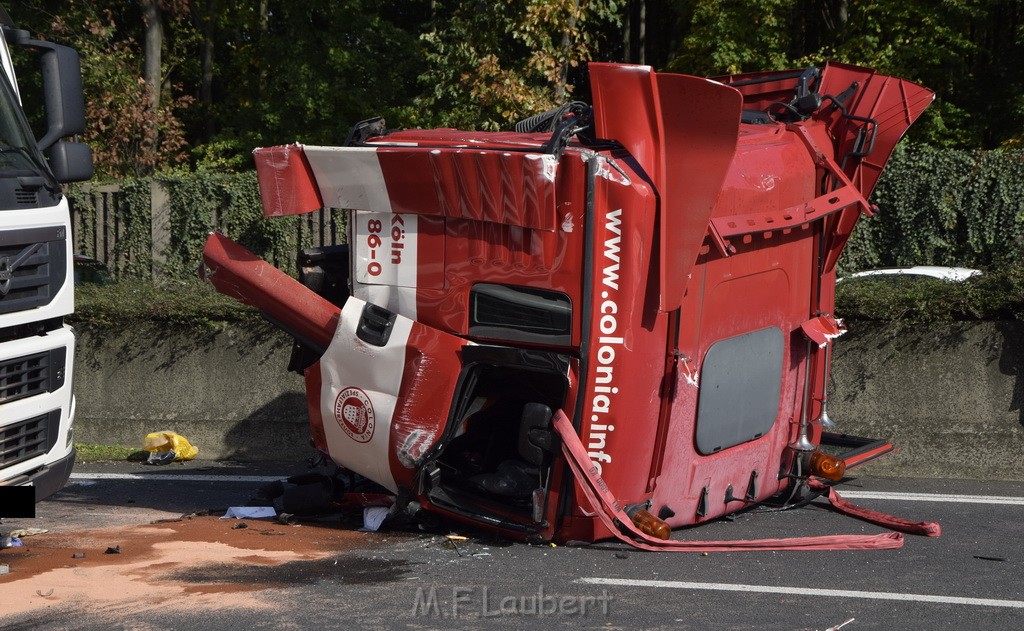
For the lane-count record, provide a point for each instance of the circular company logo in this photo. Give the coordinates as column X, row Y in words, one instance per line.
column 354, row 413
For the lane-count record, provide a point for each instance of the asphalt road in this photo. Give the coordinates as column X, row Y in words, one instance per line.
column 328, row 576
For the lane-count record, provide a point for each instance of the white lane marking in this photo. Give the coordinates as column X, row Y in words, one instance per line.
column 864, row 495
column 177, row 477
column 807, row 591
column 933, row 497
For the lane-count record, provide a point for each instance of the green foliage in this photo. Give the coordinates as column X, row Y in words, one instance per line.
column 182, row 303
column 943, row 207
column 305, row 71
column 91, row 452
column 489, row 68
column 995, row 295
column 200, row 203
column 132, row 252
column 971, row 52
column 126, row 136
column 732, row 36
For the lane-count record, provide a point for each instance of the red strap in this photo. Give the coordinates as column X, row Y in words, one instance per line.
column 926, row 528
column 612, row 515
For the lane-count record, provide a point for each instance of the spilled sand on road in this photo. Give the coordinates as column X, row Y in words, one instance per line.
column 147, row 573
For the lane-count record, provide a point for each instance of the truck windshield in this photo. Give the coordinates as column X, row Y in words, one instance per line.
column 19, row 155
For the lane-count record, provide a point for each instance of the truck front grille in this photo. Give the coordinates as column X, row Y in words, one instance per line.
column 29, row 438
column 33, row 267
column 30, row 375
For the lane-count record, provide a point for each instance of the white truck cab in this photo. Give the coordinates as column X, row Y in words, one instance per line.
column 37, row 403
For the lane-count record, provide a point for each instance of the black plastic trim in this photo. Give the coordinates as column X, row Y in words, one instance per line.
column 375, row 325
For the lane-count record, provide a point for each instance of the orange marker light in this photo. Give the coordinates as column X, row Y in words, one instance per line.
column 826, row 466
column 651, row 525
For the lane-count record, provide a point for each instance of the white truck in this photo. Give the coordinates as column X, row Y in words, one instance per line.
column 37, row 403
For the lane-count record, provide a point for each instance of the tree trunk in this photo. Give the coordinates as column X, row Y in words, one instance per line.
column 154, row 43
column 206, row 82
column 642, row 38
column 264, row 29
column 566, row 55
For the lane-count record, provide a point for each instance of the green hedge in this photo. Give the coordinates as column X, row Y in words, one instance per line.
column 943, row 207
column 997, row 294
column 186, row 303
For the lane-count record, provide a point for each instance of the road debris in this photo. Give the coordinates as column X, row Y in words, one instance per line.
column 250, row 512
column 166, row 447
column 373, row 517
column 27, row 532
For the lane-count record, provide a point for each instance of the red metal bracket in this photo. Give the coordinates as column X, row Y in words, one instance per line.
column 840, row 199
column 735, row 225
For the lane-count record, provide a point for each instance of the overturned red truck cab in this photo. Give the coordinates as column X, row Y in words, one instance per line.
column 614, row 321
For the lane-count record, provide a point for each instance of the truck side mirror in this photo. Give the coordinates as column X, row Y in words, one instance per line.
column 70, row 161
column 62, row 90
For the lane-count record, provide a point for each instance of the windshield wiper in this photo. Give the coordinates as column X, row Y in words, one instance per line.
column 43, row 178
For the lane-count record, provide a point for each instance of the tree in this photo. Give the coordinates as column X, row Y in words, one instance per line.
column 489, row 68
column 131, row 130
column 971, row 52
column 286, row 71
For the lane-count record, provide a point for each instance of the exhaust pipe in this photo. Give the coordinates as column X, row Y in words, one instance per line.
column 823, row 418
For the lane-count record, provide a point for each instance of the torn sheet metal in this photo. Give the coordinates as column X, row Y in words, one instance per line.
column 823, row 329
column 287, row 186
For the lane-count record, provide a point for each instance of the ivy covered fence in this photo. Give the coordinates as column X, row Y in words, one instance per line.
column 936, row 207
column 156, row 227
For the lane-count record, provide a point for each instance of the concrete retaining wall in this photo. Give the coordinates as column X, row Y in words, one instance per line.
column 226, row 390
column 950, row 396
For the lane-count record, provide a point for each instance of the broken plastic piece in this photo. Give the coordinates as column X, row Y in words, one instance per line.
column 5, row 569
column 250, row 512
column 78, row 555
